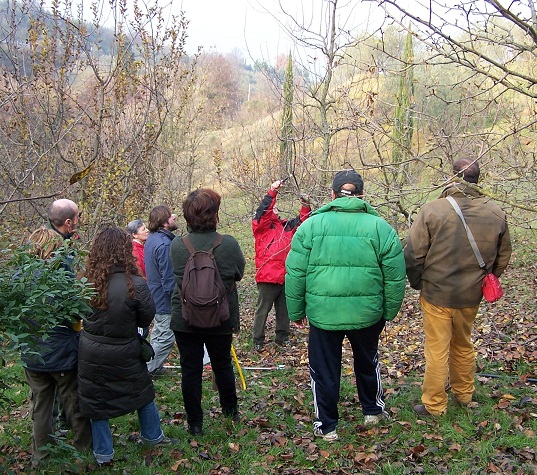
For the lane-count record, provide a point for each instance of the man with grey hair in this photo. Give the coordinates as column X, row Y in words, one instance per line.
column 441, row 263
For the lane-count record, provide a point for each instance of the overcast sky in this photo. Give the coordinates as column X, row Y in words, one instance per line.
column 227, row 25
column 252, row 25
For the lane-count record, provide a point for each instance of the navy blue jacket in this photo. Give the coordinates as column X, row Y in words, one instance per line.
column 159, row 269
column 58, row 352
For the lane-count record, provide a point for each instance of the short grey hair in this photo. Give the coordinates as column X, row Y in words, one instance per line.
column 133, row 226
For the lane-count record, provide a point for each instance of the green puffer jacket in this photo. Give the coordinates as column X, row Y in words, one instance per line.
column 346, row 269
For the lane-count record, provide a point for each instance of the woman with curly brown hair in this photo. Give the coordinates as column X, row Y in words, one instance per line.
column 113, row 379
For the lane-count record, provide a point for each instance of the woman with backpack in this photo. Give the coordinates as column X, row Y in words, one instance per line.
column 211, row 319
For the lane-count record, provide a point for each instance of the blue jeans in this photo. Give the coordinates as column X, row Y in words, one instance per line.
column 150, row 431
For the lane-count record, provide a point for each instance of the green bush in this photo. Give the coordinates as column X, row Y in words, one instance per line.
column 35, row 296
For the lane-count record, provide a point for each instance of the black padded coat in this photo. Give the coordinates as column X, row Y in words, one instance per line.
column 112, row 379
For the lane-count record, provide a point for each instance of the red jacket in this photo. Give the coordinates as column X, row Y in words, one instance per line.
column 273, row 239
column 138, row 253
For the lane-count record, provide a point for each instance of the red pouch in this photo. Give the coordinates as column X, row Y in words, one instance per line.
column 492, row 289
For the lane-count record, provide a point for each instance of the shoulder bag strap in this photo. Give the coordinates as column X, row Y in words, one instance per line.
column 468, row 232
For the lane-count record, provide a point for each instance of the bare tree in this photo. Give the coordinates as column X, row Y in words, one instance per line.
column 491, row 47
column 86, row 105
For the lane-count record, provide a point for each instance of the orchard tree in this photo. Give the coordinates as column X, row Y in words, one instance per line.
column 83, row 114
column 491, row 47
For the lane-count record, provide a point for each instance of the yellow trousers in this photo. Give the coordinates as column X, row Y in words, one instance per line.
column 449, row 355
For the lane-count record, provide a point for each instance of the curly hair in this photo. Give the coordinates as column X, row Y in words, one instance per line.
column 112, row 247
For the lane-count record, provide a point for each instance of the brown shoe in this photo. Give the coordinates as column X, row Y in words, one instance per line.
column 421, row 410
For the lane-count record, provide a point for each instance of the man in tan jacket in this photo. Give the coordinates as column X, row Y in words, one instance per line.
column 441, row 264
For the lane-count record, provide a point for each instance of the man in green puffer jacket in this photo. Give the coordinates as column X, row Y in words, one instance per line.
column 346, row 275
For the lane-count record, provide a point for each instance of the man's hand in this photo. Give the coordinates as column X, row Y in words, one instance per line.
column 276, row 185
column 301, row 323
column 305, row 200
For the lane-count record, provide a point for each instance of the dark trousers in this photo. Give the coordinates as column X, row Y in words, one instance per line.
column 44, row 387
column 267, row 296
column 191, row 357
column 325, row 350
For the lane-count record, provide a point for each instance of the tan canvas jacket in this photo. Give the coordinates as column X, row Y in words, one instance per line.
column 439, row 259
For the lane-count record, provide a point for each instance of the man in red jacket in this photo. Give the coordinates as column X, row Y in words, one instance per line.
column 272, row 243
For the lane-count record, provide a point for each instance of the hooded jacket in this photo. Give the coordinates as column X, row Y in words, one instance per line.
column 273, row 239
column 112, row 378
column 345, row 270
column 439, row 258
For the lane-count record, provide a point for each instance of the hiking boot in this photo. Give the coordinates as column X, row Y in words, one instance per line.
column 329, row 436
column 283, row 344
column 460, row 403
column 374, row 419
column 258, row 347
column 158, row 372
column 421, row 410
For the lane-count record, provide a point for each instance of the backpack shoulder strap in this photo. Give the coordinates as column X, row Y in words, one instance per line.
column 192, row 250
column 217, row 243
column 188, row 244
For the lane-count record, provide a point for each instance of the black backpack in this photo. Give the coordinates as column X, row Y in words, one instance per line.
column 203, row 295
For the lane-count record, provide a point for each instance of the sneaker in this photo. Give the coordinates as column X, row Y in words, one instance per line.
column 329, row 436
column 258, row 346
column 283, row 343
column 165, row 441
column 374, row 419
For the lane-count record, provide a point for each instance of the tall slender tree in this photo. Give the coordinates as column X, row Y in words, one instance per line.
column 287, row 131
column 403, row 127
